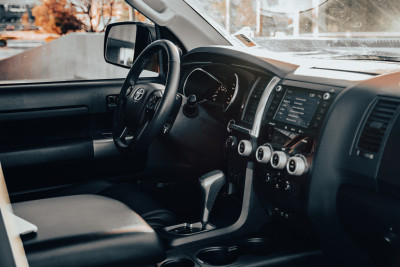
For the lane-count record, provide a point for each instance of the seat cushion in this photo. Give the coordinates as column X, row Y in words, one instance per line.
column 87, row 230
column 141, row 203
column 149, row 209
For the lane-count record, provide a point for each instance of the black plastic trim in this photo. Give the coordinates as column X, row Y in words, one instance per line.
column 62, row 151
column 44, row 113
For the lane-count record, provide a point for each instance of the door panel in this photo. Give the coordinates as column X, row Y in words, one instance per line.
column 59, row 133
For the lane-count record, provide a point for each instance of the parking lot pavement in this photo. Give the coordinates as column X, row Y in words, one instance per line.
column 17, row 46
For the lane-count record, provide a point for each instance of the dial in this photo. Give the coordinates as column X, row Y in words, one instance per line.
column 279, row 160
column 297, row 166
column 217, row 84
column 224, row 94
column 245, row 148
column 264, row 153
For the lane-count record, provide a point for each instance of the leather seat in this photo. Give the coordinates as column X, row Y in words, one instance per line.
column 149, row 209
column 87, row 230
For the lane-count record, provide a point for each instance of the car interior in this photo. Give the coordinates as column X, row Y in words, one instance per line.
column 206, row 154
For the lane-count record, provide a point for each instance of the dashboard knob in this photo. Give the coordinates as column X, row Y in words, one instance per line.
column 264, row 153
column 297, row 166
column 190, row 109
column 230, row 124
column 279, row 160
column 245, row 148
column 231, row 142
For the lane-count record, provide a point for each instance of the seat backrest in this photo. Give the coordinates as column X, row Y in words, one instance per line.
column 11, row 249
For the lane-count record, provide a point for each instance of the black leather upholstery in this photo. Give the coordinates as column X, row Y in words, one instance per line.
column 150, row 210
column 87, row 230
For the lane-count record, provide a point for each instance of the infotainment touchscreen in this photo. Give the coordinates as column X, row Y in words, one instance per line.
column 298, row 107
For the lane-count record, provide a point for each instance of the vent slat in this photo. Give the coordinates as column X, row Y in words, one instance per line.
column 376, row 125
column 392, row 105
column 252, row 105
column 380, row 118
column 368, row 135
column 388, row 110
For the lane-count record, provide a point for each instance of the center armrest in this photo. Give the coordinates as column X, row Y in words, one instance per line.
column 87, row 230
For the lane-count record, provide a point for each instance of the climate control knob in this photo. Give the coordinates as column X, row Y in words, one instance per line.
column 264, row 153
column 245, row 148
column 279, row 160
column 297, row 166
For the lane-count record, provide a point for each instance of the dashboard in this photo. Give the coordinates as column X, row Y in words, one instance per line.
column 322, row 141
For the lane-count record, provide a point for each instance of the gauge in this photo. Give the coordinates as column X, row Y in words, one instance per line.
column 224, row 94
column 200, row 83
column 217, row 86
column 219, row 94
column 231, row 93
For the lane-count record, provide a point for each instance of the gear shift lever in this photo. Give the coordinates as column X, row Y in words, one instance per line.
column 210, row 184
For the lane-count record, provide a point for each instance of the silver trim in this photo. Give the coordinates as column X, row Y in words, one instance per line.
column 235, row 93
column 248, row 97
column 197, row 226
column 240, row 129
column 266, row 158
column 248, row 148
column 326, row 96
column 255, row 131
column 138, row 94
column 198, row 69
column 104, row 148
column 231, row 122
column 301, row 165
column 283, row 159
column 247, row 206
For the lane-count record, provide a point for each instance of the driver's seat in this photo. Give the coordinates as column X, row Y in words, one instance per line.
column 149, row 209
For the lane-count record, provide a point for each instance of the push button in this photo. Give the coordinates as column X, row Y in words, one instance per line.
column 292, row 165
column 275, row 160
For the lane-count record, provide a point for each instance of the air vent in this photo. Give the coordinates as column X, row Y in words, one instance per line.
column 375, row 128
column 252, row 102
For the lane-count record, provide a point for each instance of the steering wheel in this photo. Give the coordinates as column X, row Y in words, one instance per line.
column 143, row 107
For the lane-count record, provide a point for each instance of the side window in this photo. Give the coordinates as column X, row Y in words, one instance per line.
column 58, row 40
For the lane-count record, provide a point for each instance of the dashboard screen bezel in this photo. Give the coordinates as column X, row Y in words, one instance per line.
column 319, row 116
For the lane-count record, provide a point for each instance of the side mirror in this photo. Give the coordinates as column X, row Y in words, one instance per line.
column 124, row 41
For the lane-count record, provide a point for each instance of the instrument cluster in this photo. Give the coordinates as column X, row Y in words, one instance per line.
column 216, row 84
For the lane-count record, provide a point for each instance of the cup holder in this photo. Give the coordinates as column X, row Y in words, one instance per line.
column 218, row 256
column 257, row 246
column 180, row 262
column 225, row 255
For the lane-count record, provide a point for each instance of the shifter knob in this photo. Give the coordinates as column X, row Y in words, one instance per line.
column 210, row 184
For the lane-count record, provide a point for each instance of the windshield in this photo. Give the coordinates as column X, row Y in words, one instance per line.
column 342, row 29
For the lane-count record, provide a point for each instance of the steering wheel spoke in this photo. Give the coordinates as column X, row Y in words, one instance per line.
column 153, row 103
column 124, row 139
column 140, row 130
column 143, row 108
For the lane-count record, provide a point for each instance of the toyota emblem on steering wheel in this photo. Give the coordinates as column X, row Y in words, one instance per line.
column 138, row 94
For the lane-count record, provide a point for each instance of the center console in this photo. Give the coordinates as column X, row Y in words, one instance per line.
column 286, row 144
column 282, row 141
column 269, row 149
